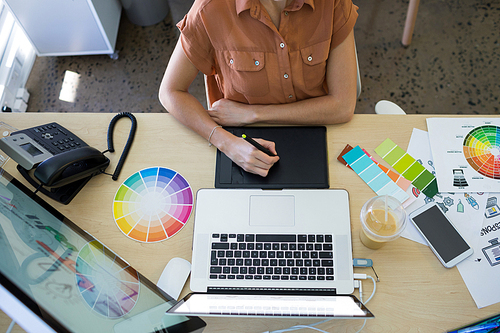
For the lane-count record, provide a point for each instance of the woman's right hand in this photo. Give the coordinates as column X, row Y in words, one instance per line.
column 250, row 158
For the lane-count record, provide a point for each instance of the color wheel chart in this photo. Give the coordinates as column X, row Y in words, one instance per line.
column 482, row 150
column 153, row 204
column 107, row 284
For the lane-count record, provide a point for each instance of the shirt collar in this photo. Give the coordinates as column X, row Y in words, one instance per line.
column 254, row 6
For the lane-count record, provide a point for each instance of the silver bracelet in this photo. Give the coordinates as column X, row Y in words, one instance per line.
column 212, row 133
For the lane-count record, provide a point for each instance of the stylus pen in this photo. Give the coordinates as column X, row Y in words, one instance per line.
column 257, row 145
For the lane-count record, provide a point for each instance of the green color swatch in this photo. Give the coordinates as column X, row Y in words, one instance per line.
column 408, row 167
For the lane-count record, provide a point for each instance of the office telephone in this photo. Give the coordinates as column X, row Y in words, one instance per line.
column 52, row 156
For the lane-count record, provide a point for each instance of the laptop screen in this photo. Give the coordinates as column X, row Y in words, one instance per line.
column 68, row 278
column 297, row 306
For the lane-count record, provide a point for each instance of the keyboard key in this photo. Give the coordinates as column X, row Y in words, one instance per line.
column 242, row 246
column 311, row 238
column 223, row 237
column 249, row 238
column 240, row 238
column 276, row 238
column 325, row 255
column 220, row 246
column 328, row 239
column 276, row 246
column 302, row 238
column 273, row 262
column 327, row 263
column 215, row 270
column 320, row 238
column 327, row 247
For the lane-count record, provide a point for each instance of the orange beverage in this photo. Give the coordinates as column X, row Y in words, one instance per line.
column 382, row 220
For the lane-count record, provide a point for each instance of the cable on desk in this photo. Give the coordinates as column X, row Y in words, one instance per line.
column 130, row 139
column 11, row 326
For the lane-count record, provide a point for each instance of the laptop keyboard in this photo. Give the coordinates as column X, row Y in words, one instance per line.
column 284, row 257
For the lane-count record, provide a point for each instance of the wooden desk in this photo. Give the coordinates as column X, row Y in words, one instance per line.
column 415, row 292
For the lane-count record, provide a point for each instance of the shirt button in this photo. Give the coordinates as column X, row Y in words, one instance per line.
column 285, row 76
column 257, row 63
column 290, row 96
column 231, row 61
column 310, row 58
column 282, row 45
column 286, row 13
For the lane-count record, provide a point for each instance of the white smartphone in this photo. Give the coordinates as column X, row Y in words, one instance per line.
column 441, row 235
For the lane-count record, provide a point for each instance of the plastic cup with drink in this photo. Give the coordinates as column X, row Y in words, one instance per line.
column 383, row 219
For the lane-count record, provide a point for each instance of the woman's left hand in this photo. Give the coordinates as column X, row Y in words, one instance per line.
column 229, row 113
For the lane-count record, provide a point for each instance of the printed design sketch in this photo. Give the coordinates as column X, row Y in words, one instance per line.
column 481, row 149
column 492, row 252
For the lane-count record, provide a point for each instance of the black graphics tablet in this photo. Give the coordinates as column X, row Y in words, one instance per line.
column 55, row 277
column 303, row 159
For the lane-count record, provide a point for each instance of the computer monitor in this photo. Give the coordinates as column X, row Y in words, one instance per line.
column 54, row 276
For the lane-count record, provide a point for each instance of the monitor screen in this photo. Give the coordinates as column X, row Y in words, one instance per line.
column 70, row 279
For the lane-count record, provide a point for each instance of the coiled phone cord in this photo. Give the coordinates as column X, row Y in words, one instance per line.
column 127, row 145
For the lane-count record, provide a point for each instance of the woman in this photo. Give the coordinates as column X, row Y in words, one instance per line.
column 267, row 61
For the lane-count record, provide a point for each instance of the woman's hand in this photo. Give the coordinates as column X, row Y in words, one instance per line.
column 229, row 113
column 250, row 158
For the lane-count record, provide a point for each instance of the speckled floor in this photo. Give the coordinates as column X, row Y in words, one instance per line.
column 450, row 67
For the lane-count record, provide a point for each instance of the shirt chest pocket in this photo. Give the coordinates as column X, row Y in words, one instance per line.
column 246, row 72
column 314, row 60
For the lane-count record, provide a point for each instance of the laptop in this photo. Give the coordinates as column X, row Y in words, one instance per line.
column 270, row 252
column 55, row 277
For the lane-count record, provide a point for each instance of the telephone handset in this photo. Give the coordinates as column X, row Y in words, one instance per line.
column 59, row 159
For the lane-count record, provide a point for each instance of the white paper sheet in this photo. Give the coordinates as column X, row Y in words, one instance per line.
column 464, row 159
column 481, row 271
column 479, row 224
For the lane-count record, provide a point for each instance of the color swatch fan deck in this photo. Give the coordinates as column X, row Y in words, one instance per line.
column 153, row 204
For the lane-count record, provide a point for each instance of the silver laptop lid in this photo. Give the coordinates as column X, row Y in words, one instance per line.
column 261, row 215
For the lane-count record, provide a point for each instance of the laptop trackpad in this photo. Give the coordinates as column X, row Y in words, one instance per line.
column 272, row 210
